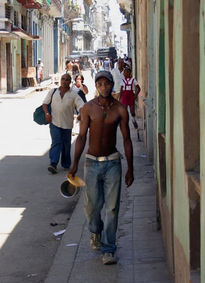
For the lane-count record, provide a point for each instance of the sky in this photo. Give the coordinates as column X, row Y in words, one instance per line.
column 117, row 19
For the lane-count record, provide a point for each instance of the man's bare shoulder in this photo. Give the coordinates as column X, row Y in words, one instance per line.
column 120, row 106
column 90, row 103
column 88, row 106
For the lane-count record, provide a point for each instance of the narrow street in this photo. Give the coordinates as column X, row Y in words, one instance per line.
column 31, row 207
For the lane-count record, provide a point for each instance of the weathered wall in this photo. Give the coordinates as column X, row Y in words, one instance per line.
column 16, row 64
column 47, row 50
column 172, row 73
column 169, row 92
column 202, row 136
column 181, row 205
column 149, row 100
column 3, row 84
column 142, row 51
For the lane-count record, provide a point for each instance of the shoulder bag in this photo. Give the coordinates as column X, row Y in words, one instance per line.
column 39, row 114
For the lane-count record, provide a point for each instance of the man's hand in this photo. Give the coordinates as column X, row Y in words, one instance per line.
column 48, row 117
column 73, row 170
column 129, row 178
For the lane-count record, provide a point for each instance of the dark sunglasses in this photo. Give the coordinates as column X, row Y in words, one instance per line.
column 65, row 79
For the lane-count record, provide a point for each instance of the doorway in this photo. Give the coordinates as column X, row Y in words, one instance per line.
column 9, row 78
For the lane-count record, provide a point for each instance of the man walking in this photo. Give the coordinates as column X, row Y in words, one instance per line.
column 63, row 103
column 117, row 74
column 39, row 71
column 102, row 116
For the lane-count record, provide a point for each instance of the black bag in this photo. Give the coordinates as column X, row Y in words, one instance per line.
column 39, row 114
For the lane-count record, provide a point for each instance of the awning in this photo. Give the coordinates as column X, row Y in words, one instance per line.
column 11, row 35
column 125, row 27
column 31, row 4
column 25, row 35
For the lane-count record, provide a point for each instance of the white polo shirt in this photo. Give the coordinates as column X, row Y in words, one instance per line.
column 62, row 109
column 117, row 77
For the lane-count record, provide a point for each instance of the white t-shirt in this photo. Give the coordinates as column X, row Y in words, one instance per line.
column 62, row 109
column 130, row 83
column 117, row 77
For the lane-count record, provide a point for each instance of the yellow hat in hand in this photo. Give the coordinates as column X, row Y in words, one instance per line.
column 75, row 181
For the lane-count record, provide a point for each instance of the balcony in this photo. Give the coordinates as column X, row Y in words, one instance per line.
column 24, row 34
column 88, row 2
column 78, row 26
column 73, row 11
column 125, row 26
column 55, row 8
column 6, row 29
column 31, row 4
column 125, row 6
column 5, row 24
column 82, row 27
column 87, row 29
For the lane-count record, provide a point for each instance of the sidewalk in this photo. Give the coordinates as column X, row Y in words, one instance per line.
column 140, row 252
column 23, row 92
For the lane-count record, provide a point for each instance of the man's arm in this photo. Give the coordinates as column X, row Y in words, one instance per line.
column 45, row 106
column 78, row 102
column 137, row 87
column 47, row 114
column 81, row 139
column 121, row 88
column 124, row 126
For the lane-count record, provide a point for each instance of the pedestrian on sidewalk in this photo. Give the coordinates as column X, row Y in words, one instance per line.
column 69, row 67
column 75, row 69
column 64, row 100
column 80, row 87
column 128, row 95
column 39, row 71
column 106, row 64
column 92, row 68
column 101, row 116
column 118, row 75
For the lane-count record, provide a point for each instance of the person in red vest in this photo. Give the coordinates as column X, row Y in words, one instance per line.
column 129, row 92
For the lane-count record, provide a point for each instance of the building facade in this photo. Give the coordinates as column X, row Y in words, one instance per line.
column 169, row 52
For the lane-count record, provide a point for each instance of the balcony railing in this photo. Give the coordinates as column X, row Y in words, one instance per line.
column 5, row 24
column 87, row 28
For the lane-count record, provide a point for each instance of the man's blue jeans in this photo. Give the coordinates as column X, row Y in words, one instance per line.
column 103, row 186
column 61, row 145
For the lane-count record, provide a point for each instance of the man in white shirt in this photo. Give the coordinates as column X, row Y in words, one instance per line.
column 64, row 101
column 117, row 74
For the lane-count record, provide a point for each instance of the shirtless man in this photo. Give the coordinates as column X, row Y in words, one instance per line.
column 69, row 67
column 102, row 171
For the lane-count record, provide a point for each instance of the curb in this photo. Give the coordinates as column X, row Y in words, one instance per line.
column 22, row 93
column 64, row 259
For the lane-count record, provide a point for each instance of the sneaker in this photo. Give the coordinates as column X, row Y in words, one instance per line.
column 135, row 124
column 95, row 243
column 52, row 168
column 109, row 258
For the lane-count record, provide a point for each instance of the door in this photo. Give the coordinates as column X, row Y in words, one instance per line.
column 9, row 68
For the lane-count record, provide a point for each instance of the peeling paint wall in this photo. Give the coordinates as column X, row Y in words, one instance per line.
column 171, row 68
column 202, row 135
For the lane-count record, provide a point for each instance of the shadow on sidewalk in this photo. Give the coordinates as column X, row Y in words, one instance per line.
column 140, row 251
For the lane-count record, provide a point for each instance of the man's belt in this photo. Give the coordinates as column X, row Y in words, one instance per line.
column 112, row 156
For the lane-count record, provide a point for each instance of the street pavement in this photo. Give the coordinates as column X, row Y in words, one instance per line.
column 31, row 206
column 140, row 252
